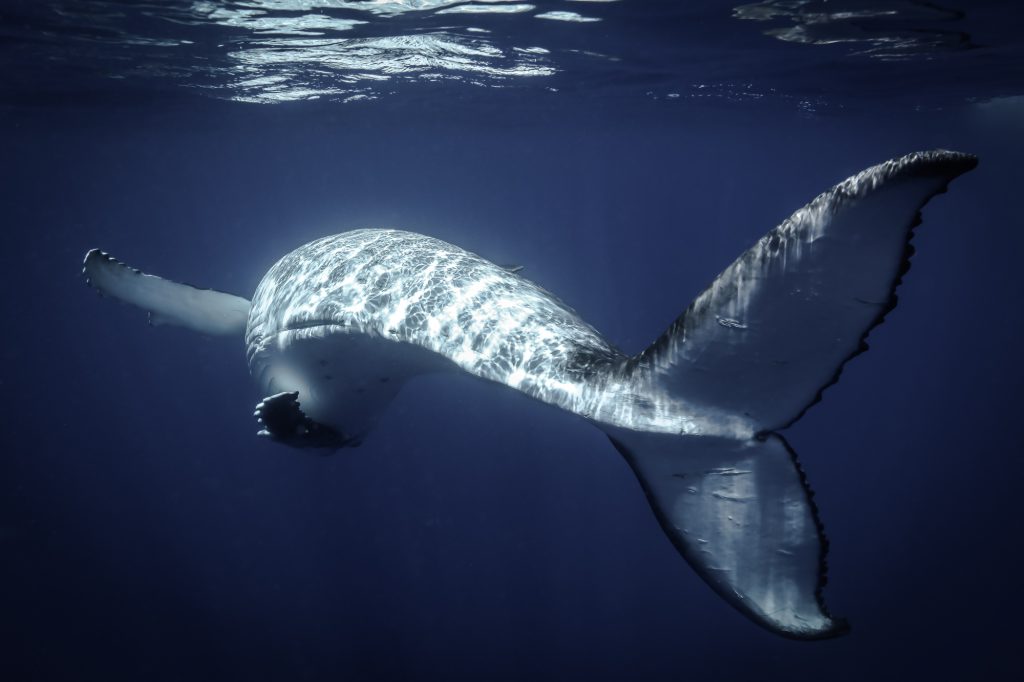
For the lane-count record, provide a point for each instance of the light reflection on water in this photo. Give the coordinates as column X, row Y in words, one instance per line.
column 889, row 30
column 288, row 50
column 269, row 51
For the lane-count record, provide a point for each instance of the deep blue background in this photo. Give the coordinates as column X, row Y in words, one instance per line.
column 147, row 534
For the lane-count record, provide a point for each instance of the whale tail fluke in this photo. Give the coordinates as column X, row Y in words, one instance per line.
column 203, row 310
column 741, row 513
column 753, row 352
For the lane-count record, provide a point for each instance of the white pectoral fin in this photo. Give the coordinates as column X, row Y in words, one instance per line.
column 742, row 515
column 776, row 326
column 202, row 310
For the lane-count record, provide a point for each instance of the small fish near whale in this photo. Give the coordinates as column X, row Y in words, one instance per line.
column 338, row 325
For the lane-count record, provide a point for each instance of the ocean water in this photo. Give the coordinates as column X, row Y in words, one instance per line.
column 624, row 153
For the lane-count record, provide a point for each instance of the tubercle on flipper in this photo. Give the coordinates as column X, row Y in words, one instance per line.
column 107, row 258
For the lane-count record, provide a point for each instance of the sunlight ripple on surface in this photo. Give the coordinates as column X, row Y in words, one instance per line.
column 287, row 56
column 279, row 70
column 889, row 30
column 476, row 8
column 566, row 16
column 385, row 8
column 269, row 51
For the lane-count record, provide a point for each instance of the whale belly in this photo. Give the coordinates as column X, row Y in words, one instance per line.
column 345, row 380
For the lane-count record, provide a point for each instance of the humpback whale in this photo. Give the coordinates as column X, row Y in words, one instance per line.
column 337, row 326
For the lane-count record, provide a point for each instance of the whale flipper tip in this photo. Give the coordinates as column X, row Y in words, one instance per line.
column 283, row 421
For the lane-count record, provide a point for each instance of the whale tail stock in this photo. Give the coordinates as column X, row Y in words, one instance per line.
column 210, row 312
column 761, row 343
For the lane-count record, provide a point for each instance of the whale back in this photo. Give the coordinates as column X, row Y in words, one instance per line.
column 395, row 287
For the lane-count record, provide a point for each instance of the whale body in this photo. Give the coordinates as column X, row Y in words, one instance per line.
column 336, row 327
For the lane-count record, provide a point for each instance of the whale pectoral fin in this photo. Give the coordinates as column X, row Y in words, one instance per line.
column 203, row 310
column 284, row 421
column 742, row 515
column 279, row 415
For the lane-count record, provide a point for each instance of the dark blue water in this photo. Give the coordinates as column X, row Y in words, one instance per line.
column 147, row 534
